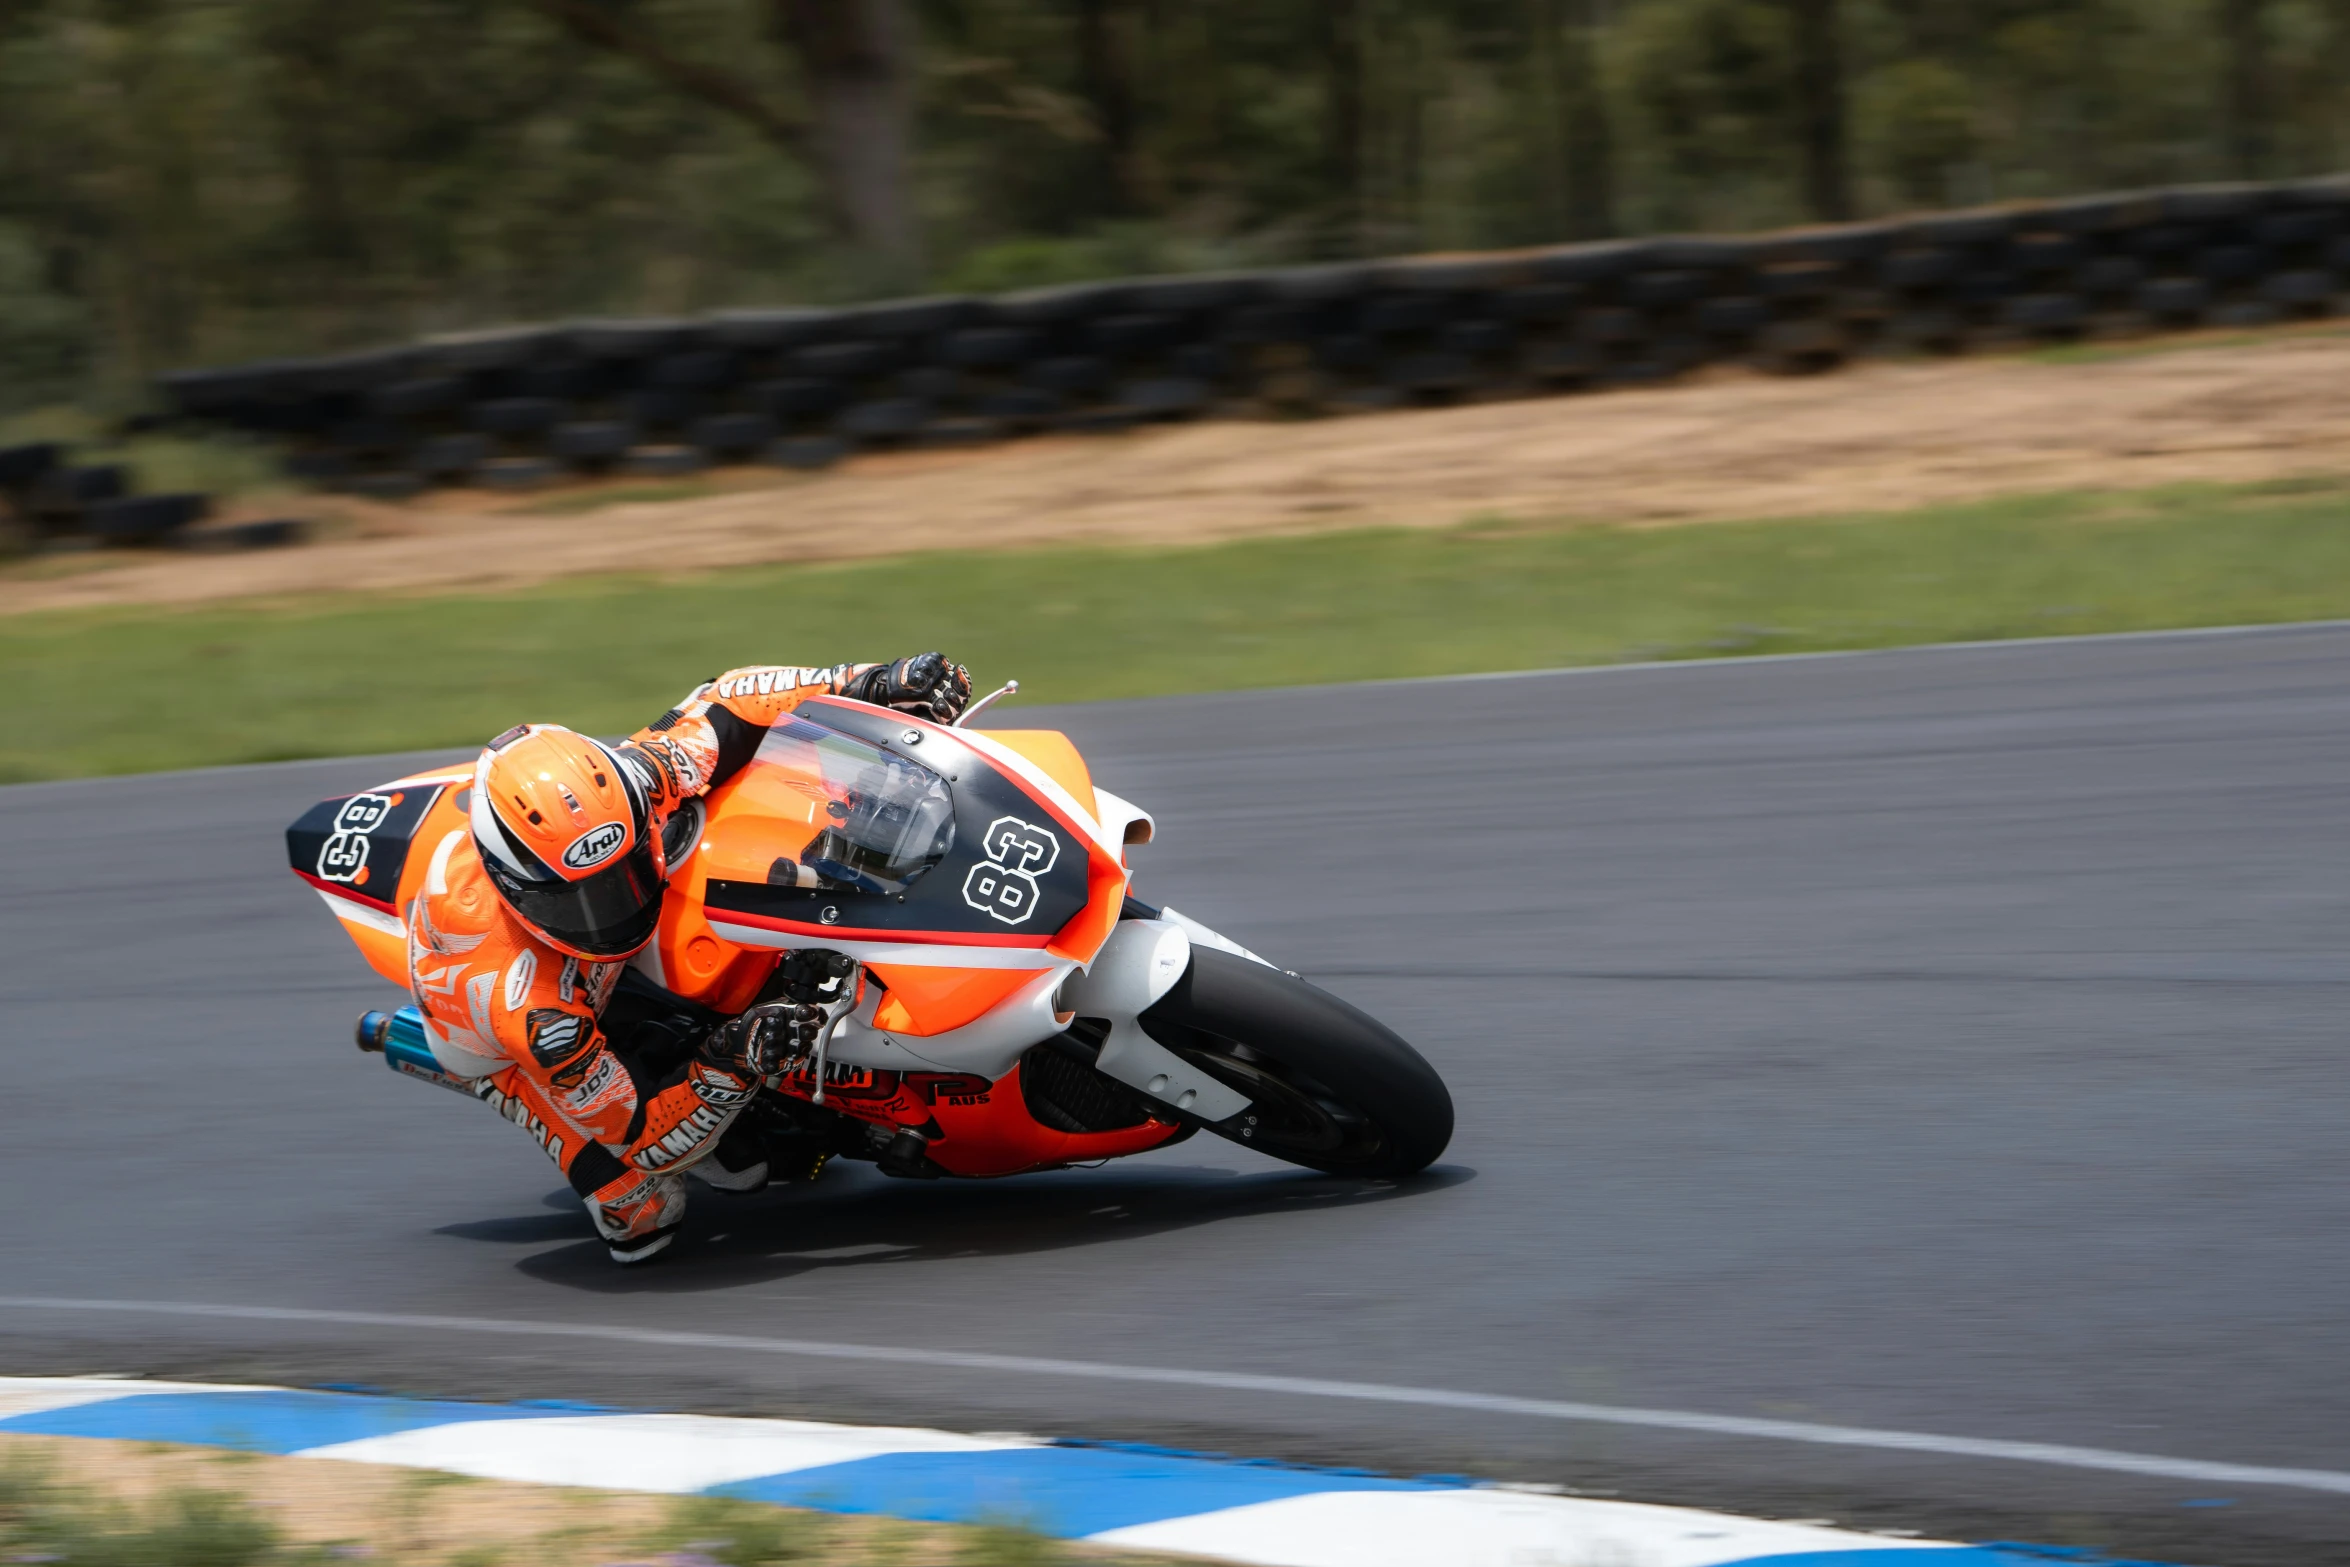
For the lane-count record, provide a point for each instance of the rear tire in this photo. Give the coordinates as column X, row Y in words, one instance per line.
column 1331, row 1088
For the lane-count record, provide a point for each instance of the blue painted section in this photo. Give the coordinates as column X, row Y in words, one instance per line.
column 1068, row 1490
column 262, row 1422
column 1062, row 1491
column 1871, row 1556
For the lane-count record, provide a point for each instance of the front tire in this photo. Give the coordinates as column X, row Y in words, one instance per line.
column 1330, row 1087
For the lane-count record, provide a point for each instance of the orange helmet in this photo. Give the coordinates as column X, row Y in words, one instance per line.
column 566, row 834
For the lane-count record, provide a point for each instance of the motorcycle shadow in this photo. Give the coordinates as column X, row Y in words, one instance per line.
column 856, row 1219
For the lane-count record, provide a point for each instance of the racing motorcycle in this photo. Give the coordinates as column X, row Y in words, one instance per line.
column 1000, row 1002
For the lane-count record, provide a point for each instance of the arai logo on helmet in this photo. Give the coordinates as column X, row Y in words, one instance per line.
column 595, row 846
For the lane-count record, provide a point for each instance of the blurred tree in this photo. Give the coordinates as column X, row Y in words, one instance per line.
column 1577, row 190
column 856, row 60
column 2247, row 96
column 1342, row 124
column 1105, row 51
column 1819, row 97
column 1710, row 84
column 857, row 56
column 1588, row 138
column 187, row 180
column 44, row 332
column 1916, row 118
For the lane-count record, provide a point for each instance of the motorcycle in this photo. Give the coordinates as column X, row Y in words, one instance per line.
column 1003, row 1003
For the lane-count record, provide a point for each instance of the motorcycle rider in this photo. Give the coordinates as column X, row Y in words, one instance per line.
column 523, row 927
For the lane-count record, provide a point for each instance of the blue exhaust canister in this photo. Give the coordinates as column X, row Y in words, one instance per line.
column 399, row 1038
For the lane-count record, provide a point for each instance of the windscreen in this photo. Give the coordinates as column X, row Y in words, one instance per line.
column 884, row 822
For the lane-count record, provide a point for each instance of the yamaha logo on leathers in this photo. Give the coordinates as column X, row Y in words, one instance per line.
column 595, row 846
column 1004, row 885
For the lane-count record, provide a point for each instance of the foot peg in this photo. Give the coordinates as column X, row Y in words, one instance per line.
column 908, row 1158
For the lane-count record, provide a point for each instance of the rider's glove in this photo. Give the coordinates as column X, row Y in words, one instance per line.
column 770, row 1038
column 927, row 684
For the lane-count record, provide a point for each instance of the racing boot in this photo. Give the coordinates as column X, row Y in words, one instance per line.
column 638, row 1215
column 737, row 1166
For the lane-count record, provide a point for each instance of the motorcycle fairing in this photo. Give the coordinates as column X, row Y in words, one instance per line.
column 366, row 854
column 1027, row 884
column 947, row 1039
column 354, row 846
column 1013, row 874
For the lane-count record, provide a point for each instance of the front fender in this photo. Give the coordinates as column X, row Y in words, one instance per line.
column 1140, row 963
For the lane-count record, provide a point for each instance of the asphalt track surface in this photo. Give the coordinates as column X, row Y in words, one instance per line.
column 1946, row 1042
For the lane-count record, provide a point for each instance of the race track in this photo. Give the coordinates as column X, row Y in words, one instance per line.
column 1947, row 1042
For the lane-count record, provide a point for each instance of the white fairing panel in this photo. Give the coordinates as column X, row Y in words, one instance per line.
column 1118, row 814
column 360, row 914
column 1141, row 962
column 987, row 1045
column 1207, row 938
column 913, row 954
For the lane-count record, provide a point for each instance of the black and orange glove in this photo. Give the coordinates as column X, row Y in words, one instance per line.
column 770, row 1038
column 928, row 685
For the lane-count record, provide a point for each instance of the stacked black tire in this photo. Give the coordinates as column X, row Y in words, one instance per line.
column 802, row 388
column 46, row 498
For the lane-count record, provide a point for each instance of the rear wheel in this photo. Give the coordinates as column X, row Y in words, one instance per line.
column 1330, row 1087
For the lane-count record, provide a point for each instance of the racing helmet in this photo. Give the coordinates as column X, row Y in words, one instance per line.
column 566, row 834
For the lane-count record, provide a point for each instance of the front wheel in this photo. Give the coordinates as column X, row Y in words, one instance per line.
column 1330, row 1087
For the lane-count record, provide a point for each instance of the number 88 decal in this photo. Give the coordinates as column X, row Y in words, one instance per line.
column 1003, row 886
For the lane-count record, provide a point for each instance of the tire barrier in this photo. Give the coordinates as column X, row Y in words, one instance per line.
column 803, row 388
column 48, row 501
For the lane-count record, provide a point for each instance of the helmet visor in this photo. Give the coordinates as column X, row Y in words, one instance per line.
column 607, row 915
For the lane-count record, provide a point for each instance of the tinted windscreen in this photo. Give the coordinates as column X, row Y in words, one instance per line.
column 885, row 820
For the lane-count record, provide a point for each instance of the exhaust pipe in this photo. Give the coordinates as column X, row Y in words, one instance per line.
column 399, row 1038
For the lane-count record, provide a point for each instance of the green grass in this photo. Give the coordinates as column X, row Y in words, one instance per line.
column 736, row 1533
column 106, row 691
column 43, row 1522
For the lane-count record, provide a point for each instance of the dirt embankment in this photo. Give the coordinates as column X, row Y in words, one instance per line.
column 1873, row 438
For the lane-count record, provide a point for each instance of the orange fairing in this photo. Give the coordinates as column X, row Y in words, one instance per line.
column 769, row 812
column 1055, row 757
column 368, row 854
column 694, row 961
column 1051, row 753
column 386, row 951
column 1105, row 895
column 987, row 1130
column 923, row 1000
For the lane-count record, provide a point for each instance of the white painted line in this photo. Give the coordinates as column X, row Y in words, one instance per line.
column 2052, row 1454
column 1718, row 661
column 39, row 1395
column 1482, row 1529
column 671, row 1453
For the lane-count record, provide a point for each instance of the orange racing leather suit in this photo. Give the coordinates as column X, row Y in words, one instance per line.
column 490, row 987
